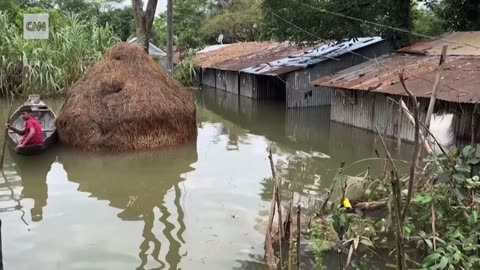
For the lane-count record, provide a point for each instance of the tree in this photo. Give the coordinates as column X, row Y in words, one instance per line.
column 121, row 21
column 400, row 17
column 188, row 17
column 159, row 31
column 236, row 23
column 460, row 15
column 314, row 20
column 427, row 22
column 144, row 21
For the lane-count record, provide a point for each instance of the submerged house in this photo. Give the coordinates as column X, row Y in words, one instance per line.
column 283, row 71
column 221, row 65
column 366, row 95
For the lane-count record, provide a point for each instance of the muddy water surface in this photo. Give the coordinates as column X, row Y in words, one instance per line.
column 198, row 206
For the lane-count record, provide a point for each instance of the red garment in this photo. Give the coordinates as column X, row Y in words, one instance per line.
column 37, row 137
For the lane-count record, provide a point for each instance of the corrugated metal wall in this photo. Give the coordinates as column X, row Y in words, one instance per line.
column 268, row 88
column 311, row 98
column 221, row 81
column 261, row 87
column 354, row 108
column 465, row 129
column 246, row 84
column 231, row 82
column 367, row 110
column 300, row 91
column 208, row 77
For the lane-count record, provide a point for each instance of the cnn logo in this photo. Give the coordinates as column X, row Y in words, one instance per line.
column 35, row 26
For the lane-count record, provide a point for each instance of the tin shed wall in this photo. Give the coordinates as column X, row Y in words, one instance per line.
column 231, row 81
column 208, row 77
column 221, row 80
column 302, row 93
column 247, row 84
column 369, row 110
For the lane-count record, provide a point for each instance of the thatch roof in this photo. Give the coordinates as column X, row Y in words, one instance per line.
column 126, row 102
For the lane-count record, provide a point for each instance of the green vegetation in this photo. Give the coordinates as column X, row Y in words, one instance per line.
column 185, row 70
column 457, row 15
column 279, row 15
column 236, row 23
column 49, row 66
column 450, row 201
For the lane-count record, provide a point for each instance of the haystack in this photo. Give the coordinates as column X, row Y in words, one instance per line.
column 126, row 102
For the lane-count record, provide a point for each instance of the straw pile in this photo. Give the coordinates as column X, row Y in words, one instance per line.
column 126, row 102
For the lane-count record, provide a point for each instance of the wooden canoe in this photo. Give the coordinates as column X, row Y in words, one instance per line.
column 46, row 118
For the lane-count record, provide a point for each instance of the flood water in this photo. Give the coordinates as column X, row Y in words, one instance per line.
column 197, row 206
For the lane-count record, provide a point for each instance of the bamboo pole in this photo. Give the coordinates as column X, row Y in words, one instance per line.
column 268, row 236
column 1, row 247
column 399, row 126
column 299, row 210
column 170, row 36
column 436, row 86
column 397, row 205
column 474, row 126
column 5, row 137
column 416, row 148
column 434, row 229
column 426, row 145
column 291, row 247
column 410, row 117
column 277, row 185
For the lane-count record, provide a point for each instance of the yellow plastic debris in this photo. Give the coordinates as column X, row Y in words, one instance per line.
column 346, row 203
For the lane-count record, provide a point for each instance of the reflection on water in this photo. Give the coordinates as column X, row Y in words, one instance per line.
column 136, row 184
column 33, row 173
column 198, row 206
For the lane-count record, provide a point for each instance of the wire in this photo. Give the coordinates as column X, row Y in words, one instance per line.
column 383, row 25
column 355, row 53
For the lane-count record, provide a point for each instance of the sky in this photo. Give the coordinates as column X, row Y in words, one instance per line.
column 161, row 6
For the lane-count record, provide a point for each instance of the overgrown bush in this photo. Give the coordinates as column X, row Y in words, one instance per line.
column 455, row 195
column 185, row 70
column 441, row 230
column 48, row 67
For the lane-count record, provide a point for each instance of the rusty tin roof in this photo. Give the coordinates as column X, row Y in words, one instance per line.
column 460, row 78
column 268, row 58
column 458, row 44
column 221, row 56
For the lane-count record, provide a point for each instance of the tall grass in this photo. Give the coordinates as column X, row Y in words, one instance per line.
column 185, row 70
column 48, row 67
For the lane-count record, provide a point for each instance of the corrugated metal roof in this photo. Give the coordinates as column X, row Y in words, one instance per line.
column 460, row 78
column 305, row 58
column 232, row 52
column 460, row 47
column 267, row 58
column 273, row 53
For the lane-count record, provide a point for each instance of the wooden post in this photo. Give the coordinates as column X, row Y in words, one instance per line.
column 276, row 198
column 422, row 137
column 5, row 138
column 299, row 210
column 291, row 247
column 170, row 36
column 1, row 248
column 268, row 236
column 399, row 126
column 436, row 86
column 472, row 137
column 433, row 98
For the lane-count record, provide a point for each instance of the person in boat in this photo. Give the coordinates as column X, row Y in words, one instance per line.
column 32, row 131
